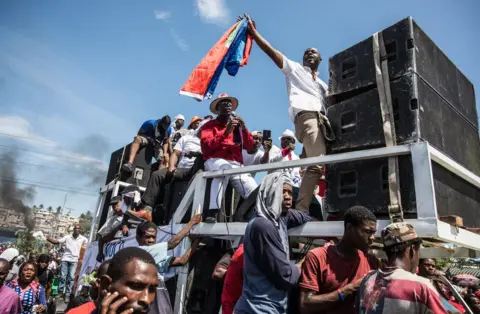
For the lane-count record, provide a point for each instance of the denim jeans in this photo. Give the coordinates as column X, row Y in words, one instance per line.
column 67, row 273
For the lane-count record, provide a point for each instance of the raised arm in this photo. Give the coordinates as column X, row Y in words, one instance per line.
column 53, row 240
column 176, row 239
column 273, row 53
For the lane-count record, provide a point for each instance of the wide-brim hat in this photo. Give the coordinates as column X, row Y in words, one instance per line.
column 223, row 96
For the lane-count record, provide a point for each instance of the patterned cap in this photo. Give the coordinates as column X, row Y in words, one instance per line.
column 398, row 232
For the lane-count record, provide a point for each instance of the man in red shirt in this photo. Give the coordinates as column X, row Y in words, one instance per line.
column 331, row 275
column 222, row 141
column 233, row 285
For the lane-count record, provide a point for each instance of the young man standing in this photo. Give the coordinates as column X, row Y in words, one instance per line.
column 395, row 288
column 307, row 96
column 332, row 274
column 73, row 244
column 268, row 272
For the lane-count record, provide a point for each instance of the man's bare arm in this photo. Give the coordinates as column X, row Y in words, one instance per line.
column 182, row 261
column 313, row 303
column 273, row 53
column 52, row 240
column 176, row 239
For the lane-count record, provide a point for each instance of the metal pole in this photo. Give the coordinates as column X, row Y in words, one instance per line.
column 197, row 207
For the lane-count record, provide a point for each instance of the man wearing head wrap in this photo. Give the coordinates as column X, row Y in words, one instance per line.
column 155, row 133
column 176, row 131
column 287, row 153
column 268, row 272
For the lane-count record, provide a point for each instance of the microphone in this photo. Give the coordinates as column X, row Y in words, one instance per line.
column 233, row 114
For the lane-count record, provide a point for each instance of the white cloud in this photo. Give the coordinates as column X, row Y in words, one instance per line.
column 213, row 11
column 179, row 41
column 162, row 15
column 20, row 129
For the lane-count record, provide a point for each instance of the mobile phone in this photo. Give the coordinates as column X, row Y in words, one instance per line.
column 267, row 135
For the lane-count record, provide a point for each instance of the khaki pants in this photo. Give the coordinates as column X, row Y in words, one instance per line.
column 309, row 132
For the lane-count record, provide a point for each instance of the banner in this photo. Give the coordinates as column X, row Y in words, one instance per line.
column 89, row 263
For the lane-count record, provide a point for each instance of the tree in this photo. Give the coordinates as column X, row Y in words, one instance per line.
column 59, row 209
column 85, row 222
column 25, row 242
column 41, row 206
column 49, row 209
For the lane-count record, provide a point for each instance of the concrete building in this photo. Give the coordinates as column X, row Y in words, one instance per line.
column 50, row 223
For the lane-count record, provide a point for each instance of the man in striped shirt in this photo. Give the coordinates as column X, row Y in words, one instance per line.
column 395, row 288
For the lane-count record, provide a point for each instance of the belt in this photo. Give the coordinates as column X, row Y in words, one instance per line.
column 304, row 112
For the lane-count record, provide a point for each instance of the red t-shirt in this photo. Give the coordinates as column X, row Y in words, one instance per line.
column 233, row 285
column 215, row 144
column 325, row 271
column 83, row 309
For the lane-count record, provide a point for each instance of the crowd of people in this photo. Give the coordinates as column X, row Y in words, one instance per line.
column 259, row 276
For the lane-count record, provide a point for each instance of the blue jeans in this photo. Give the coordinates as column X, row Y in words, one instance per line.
column 67, row 273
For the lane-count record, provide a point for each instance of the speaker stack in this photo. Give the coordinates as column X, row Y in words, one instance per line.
column 432, row 101
column 142, row 166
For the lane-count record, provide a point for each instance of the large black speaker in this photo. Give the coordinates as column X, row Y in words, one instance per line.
column 142, row 164
column 420, row 113
column 365, row 183
column 408, row 49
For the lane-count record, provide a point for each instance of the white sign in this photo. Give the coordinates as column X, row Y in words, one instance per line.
column 89, row 263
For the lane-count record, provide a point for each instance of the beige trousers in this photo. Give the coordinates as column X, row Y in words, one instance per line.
column 309, row 132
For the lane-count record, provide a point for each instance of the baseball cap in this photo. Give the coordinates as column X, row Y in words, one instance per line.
column 396, row 233
column 114, row 200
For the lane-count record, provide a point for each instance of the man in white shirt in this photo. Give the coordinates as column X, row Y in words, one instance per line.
column 307, row 95
column 287, row 153
column 73, row 244
column 111, row 226
column 255, row 156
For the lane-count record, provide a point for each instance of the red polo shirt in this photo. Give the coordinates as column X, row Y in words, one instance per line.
column 233, row 284
column 215, row 144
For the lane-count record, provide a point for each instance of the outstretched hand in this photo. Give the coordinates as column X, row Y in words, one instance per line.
column 251, row 23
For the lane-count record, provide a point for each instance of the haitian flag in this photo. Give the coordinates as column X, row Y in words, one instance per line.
column 230, row 52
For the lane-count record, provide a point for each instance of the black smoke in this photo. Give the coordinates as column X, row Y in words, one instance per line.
column 98, row 147
column 11, row 195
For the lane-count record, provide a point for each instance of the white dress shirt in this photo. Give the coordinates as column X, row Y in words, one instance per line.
column 304, row 93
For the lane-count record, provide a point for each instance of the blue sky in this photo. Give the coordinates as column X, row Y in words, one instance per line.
column 79, row 77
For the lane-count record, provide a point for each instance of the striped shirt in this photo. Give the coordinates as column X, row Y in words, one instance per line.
column 394, row 290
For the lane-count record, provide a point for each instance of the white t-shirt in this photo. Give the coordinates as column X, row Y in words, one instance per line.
column 252, row 159
column 186, row 144
column 112, row 223
column 72, row 247
column 304, row 93
column 292, row 173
